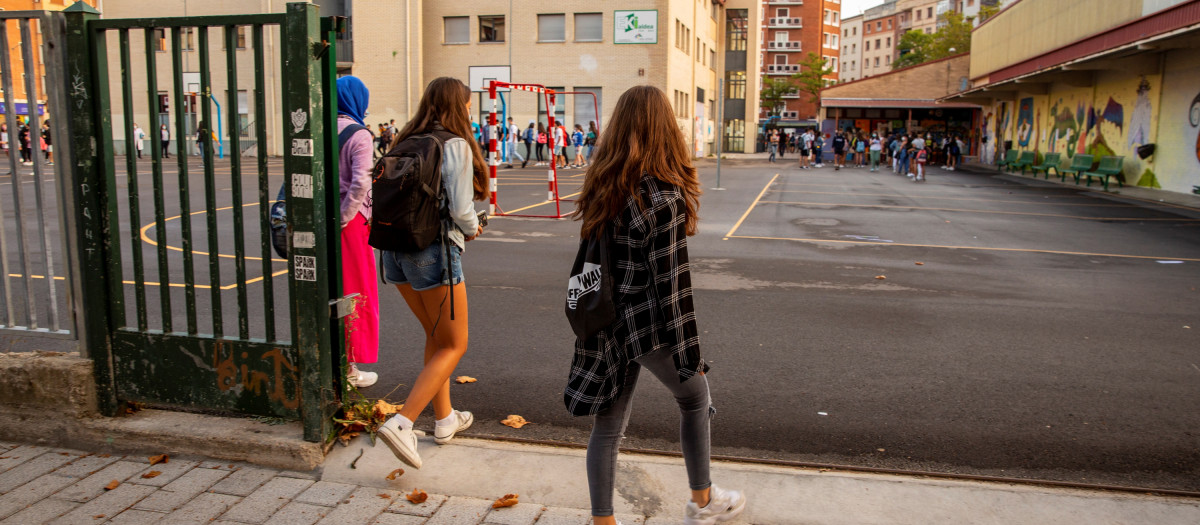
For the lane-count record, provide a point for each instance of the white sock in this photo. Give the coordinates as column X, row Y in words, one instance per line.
column 449, row 421
column 405, row 423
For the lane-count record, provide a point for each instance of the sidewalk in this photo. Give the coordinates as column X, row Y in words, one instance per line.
column 46, row 485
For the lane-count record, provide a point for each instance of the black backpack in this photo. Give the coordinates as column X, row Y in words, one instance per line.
column 278, row 215
column 406, row 186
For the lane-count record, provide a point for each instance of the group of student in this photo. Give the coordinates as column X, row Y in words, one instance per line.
column 909, row 153
column 25, row 138
column 808, row 143
column 576, row 145
column 640, row 195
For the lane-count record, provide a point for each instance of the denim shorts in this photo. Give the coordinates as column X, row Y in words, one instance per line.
column 424, row 269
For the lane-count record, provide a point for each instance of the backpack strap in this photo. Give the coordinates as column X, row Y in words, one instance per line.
column 345, row 134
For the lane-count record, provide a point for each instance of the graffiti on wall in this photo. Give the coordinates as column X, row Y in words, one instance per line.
column 1025, row 122
column 1194, row 119
column 1139, row 122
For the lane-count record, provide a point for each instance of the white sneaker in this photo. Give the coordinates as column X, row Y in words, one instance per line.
column 723, row 505
column 360, row 379
column 443, row 435
column 402, row 442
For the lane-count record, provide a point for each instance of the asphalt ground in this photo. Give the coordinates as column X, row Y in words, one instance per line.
column 1049, row 332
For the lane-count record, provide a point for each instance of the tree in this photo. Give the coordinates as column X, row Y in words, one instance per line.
column 773, row 90
column 811, row 77
column 914, row 48
column 917, row 47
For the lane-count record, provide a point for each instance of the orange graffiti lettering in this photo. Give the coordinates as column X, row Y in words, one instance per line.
column 276, row 387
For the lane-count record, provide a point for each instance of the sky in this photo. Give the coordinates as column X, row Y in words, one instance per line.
column 856, row 7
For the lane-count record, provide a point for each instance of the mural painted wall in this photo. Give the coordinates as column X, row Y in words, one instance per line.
column 1178, row 147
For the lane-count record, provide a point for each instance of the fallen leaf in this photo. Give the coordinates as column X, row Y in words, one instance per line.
column 417, row 497
column 920, row 264
column 465, row 379
column 98, row 517
column 64, row 453
column 161, row 458
column 385, row 496
column 881, row 277
column 383, row 409
column 151, row 474
column 514, row 421
column 112, row 485
column 104, row 455
column 507, row 501
column 395, row 474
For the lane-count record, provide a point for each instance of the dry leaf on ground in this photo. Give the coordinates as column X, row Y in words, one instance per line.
column 98, row 517
column 507, row 501
column 417, row 497
column 385, row 496
column 383, row 409
column 161, row 458
column 151, row 474
column 881, row 277
column 395, row 474
column 112, row 485
column 514, row 421
column 920, row 264
column 465, row 379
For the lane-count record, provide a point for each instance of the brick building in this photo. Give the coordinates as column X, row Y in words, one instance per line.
column 880, row 37
column 791, row 29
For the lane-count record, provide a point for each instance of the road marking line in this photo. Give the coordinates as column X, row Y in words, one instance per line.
column 751, row 208
column 977, row 248
column 1014, row 201
column 883, row 206
column 19, row 276
column 510, row 212
column 254, row 280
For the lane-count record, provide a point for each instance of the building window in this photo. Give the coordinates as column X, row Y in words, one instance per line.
column 697, row 48
column 681, row 104
column 889, row 41
column 160, row 40
column 589, row 27
column 243, row 102
column 889, row 23
column 188, row 36
column 855, row 31
column 560, row 108
column 736, row 25
column 552, row 28
column 918, row 14
column 876, row 61
column 735, row 85
column 585, row 107
column 491, row 28
column 845, row 33
column 781, row 13
column 876, row 43
column 833, row 63
column 241, row 37
column 456, row 29
column 929, row 13
column 867, row 45
column 735, row 135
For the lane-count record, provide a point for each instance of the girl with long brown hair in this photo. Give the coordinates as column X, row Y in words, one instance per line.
column 641, row 195
column 425, row 278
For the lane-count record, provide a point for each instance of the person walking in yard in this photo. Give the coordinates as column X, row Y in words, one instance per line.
column 577, row 142
column 590, row 140
column 356, row 159
column 427, row 277
column 642, row 194
column 48, row 143
column 23, row 139
column 876, row 150
column 528, row 137
column 542, row 138
column 511, row 139
column 839, row 151
column 164, row 135
column 139, row 139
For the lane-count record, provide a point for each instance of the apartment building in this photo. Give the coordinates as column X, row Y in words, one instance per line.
column 16, row 52
column 852, row 41
column 790, row 30
column 742, row 62
column 918, row 15
column 880, row 36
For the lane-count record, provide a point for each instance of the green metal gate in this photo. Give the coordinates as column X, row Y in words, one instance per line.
column 170, row 262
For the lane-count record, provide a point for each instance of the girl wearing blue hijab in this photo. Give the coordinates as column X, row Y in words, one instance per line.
column 353, row 97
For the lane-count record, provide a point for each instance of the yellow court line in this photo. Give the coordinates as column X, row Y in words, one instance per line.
column 751, row 208
column 146, row 238
column 254, row 280
column 20, row 275
column 978, row 248
column 172, row 285
column 960, row 198
column 510, row 212
column 882, row 206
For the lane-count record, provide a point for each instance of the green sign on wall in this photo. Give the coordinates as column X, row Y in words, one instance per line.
column 635, row 27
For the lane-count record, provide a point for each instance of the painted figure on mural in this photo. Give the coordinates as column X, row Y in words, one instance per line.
column 1139, row 121
column 1025, row 122
column 1194, row 119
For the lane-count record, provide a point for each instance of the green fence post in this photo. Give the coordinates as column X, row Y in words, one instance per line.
column 304, row 172
column 87, row 180
column 330, row 26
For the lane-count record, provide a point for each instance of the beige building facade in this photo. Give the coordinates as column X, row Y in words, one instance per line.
column 852, row 42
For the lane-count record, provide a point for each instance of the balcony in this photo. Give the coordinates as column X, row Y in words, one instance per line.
column 783, row 45
column 785, row 22
column 792, row 94
column 782, row 69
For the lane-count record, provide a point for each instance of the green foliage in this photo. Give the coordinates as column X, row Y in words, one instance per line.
column 773, row 90
column 917, row 47
column 811, row 77
column 987, row 11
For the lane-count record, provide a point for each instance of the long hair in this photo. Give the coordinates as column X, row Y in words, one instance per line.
column 445, row 102
column 641, row 137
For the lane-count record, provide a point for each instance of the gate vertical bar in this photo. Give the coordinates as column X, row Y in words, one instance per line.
column 87, row 86
column 156, row 174
column 131, row 182
column 264, row 189
column 235, row 170
column 35, row 136
column 210, row 183
column 10, row 115
column 330, row 27
column 304, row 166
column 185, row 204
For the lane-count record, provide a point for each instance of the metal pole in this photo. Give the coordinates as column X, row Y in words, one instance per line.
column 720, row 127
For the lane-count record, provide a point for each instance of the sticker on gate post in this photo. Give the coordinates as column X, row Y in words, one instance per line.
column 302, row 185
column 306, row 268
column 302, row 147
column 304, row 240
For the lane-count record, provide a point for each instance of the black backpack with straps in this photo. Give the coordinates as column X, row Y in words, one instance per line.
column 406, row 187
column 280, row 240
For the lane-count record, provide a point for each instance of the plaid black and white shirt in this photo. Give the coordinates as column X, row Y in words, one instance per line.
column 653, row 295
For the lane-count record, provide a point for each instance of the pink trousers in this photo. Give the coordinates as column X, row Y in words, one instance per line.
column 359, row 276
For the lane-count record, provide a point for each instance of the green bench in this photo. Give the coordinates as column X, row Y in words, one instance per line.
column 1009, row 157
column 1079, row 164
column 1109, row 168
column 1024, row 162
column 1050, row 162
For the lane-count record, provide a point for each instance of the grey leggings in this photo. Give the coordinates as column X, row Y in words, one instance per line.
column 695, row 413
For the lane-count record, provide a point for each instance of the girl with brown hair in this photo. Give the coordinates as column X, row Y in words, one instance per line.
column 641, row 195
column 425, row 278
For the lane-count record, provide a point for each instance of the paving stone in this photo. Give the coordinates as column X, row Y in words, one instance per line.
column 168, row 472
column 661, row 520
column 18, row 455
column 564, row 516
column 41, row 512
column 403, row 506
column 262, row 503
column 110, row 503
column 300, row 475
column 220, row 465
column 86, row 466
column 388, row 518
column 244, row 481
column 203, row 509
column 32, row 492
column 137, row 517
column 30, row 470
column 177, row 493
column 298, row 514
column 364, row 504
column 92, row 486
column 461, row 511
column 519, row 514
column 326, row 493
